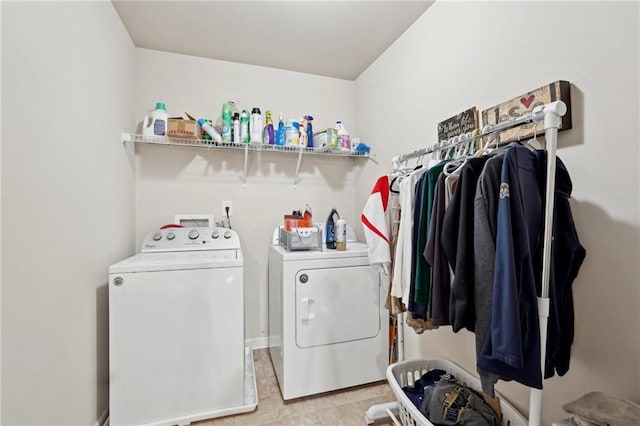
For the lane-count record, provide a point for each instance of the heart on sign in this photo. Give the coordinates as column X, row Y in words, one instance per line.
column 527, row 101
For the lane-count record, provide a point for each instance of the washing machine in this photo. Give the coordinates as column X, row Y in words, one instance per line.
column 176, row 330
column 328, row 328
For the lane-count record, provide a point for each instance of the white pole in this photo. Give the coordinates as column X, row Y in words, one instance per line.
column 552, row 113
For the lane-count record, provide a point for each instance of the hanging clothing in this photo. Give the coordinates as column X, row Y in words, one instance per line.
column 512, row 347
column 401, row 278
column 434, row 255
column 485, row 223
column 423, row 276
column 567, row 257
column 457, row 243
column 376, row 221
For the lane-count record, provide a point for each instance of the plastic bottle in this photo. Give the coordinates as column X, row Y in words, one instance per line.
column 155, row 123
column 291, row 133
column 302, row 132
column 344, row 142
column 341, row 235
column 235, row 129
column 226, row 122
column 308, row 216
column 268, row 136
column 255, row 127
column 244, row 127
column 206, row 137
column 204, row 124
column 330, row 232
column 280, row 133
column 309, row 131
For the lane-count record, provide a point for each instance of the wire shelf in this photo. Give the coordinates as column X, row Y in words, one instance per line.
column 201, row 143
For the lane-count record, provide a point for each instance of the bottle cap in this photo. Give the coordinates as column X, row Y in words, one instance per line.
column 201, row 122
column 255, row 110
column 160, row 105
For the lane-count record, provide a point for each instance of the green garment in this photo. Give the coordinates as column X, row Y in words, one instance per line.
column 424, row 272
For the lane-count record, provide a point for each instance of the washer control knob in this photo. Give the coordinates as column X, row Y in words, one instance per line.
column 227, row 234
column 215, row 235
column 171, row 235
column 157, row 236
column 193, row 234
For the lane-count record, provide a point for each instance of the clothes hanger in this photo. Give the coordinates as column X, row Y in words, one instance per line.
column 535, row 143
column 486, row 149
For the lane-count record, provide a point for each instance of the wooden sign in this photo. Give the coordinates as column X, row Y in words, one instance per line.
column 556, row 91
column 466, row 121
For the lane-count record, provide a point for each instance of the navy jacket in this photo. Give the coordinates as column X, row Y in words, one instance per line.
column 512, row 347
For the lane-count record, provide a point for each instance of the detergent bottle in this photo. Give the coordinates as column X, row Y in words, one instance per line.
column 330, row 229
column 155, row 123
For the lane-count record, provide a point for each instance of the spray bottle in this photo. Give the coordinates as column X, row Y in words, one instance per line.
column 280, row 133
column 302, row 133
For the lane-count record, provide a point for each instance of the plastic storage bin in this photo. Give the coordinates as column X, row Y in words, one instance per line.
column 301, row 238
column 406, row 373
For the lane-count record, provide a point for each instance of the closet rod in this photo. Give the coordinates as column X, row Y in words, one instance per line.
column 487, row 130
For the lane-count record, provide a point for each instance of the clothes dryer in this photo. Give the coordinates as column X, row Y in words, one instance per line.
column 176, row 330
column 328, row 328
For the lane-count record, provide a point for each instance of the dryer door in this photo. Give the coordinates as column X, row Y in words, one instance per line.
column 335, row 305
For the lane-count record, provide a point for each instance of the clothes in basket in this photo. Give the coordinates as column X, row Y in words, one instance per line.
column 447, row 402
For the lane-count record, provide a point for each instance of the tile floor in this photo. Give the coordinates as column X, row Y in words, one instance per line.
column 339, row 408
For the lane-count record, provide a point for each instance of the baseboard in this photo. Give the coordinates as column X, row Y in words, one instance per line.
column 257, row 342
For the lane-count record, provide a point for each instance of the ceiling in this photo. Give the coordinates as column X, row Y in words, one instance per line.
column 330, row 38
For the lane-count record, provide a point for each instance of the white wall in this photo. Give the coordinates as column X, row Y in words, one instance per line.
column 194, row 180
column 67, row 200
column 460, row 54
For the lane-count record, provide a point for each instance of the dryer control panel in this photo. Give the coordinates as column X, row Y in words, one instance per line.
column 190, row 239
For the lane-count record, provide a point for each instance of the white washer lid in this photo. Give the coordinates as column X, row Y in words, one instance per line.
column 175, row 261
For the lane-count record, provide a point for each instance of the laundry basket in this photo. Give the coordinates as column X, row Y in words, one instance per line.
column 406, row 373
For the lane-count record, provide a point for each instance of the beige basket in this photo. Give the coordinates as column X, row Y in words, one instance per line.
column 406, row 373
